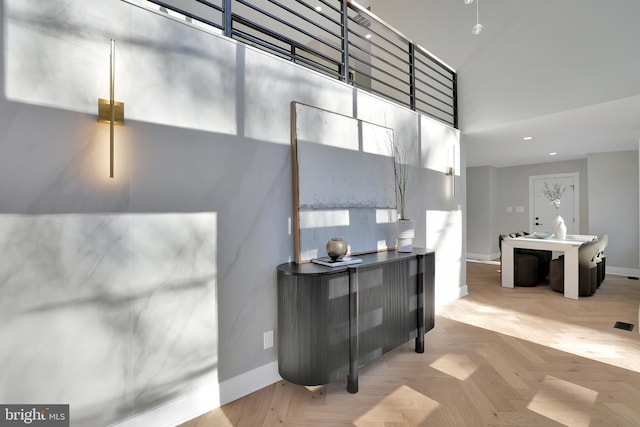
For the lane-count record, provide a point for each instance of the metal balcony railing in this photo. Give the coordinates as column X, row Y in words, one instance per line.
column 338, row 38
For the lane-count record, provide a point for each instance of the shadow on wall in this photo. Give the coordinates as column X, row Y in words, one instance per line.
column 162, row 60
column 107, row 313
column 126, row 297
column 444, row 235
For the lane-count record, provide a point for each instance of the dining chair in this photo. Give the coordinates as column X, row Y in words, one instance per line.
column 525, row 266
column 604, row 241
column 587, row 270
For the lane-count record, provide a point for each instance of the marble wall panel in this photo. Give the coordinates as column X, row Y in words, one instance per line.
column 120, row 313
column 106, row 312
column 444, row 235
column 174, row 305
column 57, row 55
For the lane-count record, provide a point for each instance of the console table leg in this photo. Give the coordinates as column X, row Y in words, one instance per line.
column 352, row 383
column 420, row 304
column 352, row 379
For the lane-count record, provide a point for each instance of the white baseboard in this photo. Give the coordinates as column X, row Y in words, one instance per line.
column 445, row 298
column 621, row 271
column 484, row 257
column 206, row 399
column 212, row 397
column 464, row 291
column 248, row 382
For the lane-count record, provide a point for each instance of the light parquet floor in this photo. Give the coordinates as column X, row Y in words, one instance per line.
column 497, row 357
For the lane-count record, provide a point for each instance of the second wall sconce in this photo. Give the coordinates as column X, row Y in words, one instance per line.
column 109, row 110
column 451, row 171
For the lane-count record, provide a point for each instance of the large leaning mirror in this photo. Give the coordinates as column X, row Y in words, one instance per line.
column 343, row 183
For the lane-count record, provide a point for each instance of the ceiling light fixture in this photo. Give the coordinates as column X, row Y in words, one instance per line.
column 477, row 29
column 527, row 138
column 553, row 153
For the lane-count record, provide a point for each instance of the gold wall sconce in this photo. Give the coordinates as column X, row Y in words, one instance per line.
column 109, row 110
column 451, row 171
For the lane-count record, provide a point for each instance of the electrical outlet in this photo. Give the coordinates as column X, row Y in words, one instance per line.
column 268, row 339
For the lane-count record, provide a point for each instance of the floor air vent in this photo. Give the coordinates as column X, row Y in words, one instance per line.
column 625, row 326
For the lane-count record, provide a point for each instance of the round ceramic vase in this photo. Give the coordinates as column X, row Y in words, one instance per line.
column 336, row 248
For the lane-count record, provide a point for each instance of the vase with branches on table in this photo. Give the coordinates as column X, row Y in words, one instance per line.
column 405, row 226
column 554, row 193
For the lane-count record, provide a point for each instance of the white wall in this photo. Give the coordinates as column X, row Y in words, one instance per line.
column 481, row 200
column 151, row 291
column 613, row 207
column 510, row 187
column 513, row 190
column 598, row 175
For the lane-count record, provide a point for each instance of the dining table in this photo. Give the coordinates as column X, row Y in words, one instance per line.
column 568, row 246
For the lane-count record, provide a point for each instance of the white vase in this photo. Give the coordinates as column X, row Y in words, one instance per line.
column 559, row 228
column 406, row 233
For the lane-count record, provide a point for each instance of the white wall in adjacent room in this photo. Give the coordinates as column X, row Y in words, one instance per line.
column 613, row 207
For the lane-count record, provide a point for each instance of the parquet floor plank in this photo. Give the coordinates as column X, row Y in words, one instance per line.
column 497, row 357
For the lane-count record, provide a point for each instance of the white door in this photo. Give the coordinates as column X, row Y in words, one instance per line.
column 542, row 212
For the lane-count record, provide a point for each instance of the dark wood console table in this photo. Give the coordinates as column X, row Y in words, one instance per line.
column 331, row 321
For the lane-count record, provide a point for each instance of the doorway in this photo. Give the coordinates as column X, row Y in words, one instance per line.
column 542, row 212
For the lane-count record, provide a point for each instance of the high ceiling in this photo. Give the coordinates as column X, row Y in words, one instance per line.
column 565, row 72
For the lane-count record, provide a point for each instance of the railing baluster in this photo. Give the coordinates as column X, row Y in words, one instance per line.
column 455, row 100
column 228, row 19
column 412, row 77
column 345, row 40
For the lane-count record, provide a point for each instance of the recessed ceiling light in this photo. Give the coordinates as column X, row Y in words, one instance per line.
column 318, row 8
column 553, row 153
column 528, row 138
column 368, row 36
